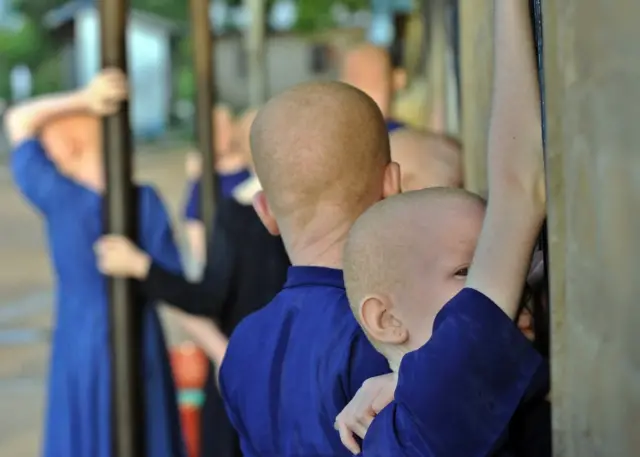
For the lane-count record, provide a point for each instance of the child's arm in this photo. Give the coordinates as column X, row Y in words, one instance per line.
column 157, row 266
column 25, row 121
column 193, row 225
column 516, row 205
column 469, row 378
column 34, row 173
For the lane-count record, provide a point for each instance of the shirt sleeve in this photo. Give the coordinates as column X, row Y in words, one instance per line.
column 157, row 237
column 456, row 394
column 36, row 175
column 192, row 207
column 204, row 298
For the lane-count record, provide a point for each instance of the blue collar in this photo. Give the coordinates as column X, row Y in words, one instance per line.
column 314, row 276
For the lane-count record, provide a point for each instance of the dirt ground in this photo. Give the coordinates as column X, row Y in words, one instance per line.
column 26, row 302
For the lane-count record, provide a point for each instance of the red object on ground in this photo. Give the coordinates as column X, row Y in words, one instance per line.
column 190, row 368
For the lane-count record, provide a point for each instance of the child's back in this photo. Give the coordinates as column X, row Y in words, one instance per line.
column 299, row 360
column 291, row 367
column 79, row 417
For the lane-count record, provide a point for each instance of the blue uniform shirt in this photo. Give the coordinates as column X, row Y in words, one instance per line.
column 78, row 414
column 457, row 394
column 292, row 367
column 227, row 182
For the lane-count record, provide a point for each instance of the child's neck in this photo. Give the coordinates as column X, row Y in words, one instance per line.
column 394, row 355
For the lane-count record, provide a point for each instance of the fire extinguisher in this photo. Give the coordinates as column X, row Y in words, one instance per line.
column 190, row 369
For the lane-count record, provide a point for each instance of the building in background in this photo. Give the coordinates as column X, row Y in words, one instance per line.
column 149, row 60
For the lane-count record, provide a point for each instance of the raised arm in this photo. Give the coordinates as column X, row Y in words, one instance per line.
column 516, row 205
column 456, row 394
column 26, row 120
column 33, row 171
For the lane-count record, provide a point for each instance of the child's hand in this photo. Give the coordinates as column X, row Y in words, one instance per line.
column 106, row 92
column 193, row 166
column 356, row 417
column 119, row 257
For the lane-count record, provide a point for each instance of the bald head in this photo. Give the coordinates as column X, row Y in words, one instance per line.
column 370, row 69
column 426, row 159
column 321, row 152
column 411, row 251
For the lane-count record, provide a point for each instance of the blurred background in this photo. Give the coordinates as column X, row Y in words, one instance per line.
column 52, row 45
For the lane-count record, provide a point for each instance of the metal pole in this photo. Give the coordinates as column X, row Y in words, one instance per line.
column 205, row 98
column 255, row 41
column 128, row 426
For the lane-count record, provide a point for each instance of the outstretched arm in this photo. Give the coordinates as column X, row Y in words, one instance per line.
column 516, row 207
column 26, row 120
column 33, row 171
column 470, row 377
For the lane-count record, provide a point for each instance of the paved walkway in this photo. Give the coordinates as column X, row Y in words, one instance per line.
column 26, row 304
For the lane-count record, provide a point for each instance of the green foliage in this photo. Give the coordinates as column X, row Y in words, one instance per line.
column 176, row 10
column 21, row 46
column 47, row 76
column 316, row 15
column 186, row 83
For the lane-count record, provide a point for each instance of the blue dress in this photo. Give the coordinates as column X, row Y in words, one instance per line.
column 78, row 416
column 228, row 183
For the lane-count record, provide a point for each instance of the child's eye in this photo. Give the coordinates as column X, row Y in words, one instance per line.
column 462, row 272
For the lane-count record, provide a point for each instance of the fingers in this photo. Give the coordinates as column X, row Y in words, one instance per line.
column 347, row 438
column 381, row 401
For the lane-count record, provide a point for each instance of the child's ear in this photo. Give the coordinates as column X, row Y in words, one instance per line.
column 392, row 180
column 378, row 319
column 261, row 205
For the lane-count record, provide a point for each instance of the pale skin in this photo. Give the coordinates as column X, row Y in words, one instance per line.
column 426, row 159
column 297, row 142
column 118, row 256
column 369, row 68
column 102, row 97
column 516, row 207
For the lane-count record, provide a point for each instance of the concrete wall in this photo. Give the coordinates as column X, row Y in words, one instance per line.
column 289, row 61
column 149, row 68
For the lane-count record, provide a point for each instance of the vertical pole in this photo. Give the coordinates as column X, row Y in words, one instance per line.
column 255, row 43
column 476, row 76
column 592, row 79
column 205, row 99
column 437, row 66
column 128, row 426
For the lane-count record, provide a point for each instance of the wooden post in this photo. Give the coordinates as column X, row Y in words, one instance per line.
column 476, row 74
column 205, row 99
column 452, row 101
column 127, row 391
column 437, row 65
column 592, row 75
column 255, row 44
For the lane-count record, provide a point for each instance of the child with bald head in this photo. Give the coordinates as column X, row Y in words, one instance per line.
column 426, row 159
column 57, row 164
column 435, row 281
column 370, row 68
column 231, row 166
column 292, row 366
